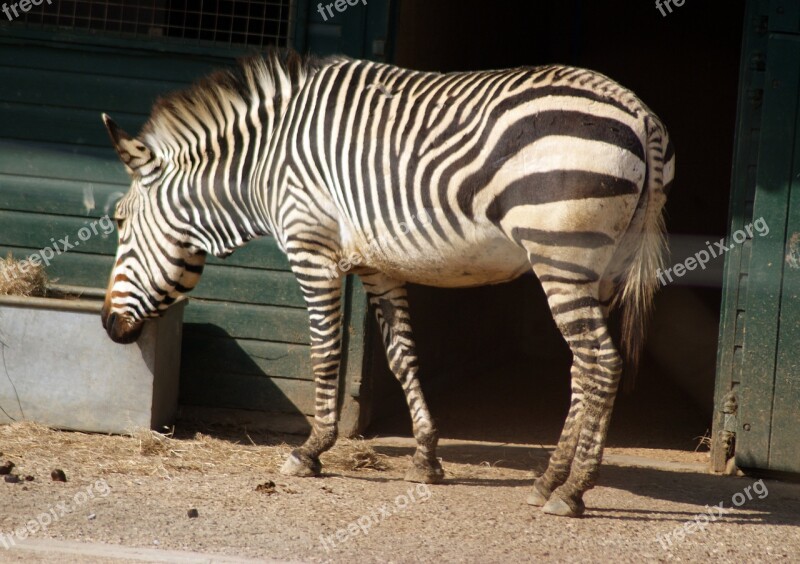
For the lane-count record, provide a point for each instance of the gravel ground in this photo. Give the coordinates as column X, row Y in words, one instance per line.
column 479, row 515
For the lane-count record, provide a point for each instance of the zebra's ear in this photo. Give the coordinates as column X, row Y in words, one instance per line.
column 137, row 157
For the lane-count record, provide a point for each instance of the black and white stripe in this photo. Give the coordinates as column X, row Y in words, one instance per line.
column 555, row 169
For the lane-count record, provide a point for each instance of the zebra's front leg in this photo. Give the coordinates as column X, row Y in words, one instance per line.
column 390, row 301
column 323, row 298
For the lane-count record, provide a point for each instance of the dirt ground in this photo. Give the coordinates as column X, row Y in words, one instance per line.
column 138, row 492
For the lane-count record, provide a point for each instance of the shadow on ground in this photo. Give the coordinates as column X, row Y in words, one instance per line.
column 667, row 485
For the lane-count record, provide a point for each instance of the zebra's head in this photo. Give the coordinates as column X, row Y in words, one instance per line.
column 158, row 257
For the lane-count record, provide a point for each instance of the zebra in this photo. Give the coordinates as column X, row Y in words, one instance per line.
column 552, row 169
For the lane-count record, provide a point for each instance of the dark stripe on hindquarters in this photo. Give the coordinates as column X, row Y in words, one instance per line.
column 564, row 280
column 594, row 96
column 580, row 125
column 556, row 186
column 527, row 130
column 582, row 239
column 588, row 274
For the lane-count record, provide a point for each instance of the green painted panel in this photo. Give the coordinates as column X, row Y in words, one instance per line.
column 57, row 196
column 355, row 398
column 250, row 285
column 784, row 16
column 249, row 321
column 96, row 56
column 360, row 31
column 734, row 289
column 27, row 122
column 784, row 454
column 246, row 391
column 37, row 231
column 76, row 269
column 113, row 94
column 61, row 161
column 767, row 265
column 260, row 253
column 242, row 356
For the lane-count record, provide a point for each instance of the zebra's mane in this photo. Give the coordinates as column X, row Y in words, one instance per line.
column 274, row 75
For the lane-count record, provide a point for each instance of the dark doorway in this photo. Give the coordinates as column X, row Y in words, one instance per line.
column 493, row 363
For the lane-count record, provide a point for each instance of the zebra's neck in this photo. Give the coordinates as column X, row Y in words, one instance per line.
column 215, row 137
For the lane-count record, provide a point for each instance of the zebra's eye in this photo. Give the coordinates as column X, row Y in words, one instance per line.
column 120, row 223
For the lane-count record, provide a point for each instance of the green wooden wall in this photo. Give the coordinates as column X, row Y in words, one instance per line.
column 246, row 328
column 758, row 377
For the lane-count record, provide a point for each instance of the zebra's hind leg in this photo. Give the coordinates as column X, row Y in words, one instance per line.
column 390, row 301
column 323, row 298
column 582, row 318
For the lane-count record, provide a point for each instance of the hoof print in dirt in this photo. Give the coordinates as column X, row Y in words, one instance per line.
column 29, row 478
column 193, row 514
column 6, row 468
column 12, row 479
column 58, row 475
column 267, row 487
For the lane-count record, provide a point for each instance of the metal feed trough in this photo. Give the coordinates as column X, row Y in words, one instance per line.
column 59, row 368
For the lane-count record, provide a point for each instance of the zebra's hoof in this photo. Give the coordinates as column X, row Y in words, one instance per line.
column 301, row 465
column 536, row 498
column 427, row 475
column 557, row 506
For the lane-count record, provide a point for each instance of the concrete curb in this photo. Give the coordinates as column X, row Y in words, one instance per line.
column 55, row 548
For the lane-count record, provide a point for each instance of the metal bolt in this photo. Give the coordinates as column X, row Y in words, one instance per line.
column 747, row 426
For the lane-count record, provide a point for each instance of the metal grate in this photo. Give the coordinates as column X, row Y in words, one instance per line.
column 221, row 22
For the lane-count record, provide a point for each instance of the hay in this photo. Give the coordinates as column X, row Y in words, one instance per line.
column 703, row 442
column 21, row 278
column 354, row 454
column 39, row 449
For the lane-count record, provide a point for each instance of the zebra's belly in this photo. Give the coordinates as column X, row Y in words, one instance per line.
column 456, row 264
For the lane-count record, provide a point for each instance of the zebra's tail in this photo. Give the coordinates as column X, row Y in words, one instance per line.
column 646, row 246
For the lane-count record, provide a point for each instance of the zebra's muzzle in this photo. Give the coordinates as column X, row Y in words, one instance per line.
column 121, row 329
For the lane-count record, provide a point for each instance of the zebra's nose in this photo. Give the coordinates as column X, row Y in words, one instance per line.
column 109, row 321
column 104, row 316
column 122, row 330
